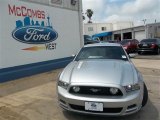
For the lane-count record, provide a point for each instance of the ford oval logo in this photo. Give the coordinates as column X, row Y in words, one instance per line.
column 35, row 34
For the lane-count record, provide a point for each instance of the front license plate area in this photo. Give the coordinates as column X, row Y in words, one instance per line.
column 145, row 45
column 93, row 106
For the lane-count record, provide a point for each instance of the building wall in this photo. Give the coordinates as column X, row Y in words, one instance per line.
column 66, row 4
column 94, row 28
column 104, row 27
column 89, row 29
column 122, row 25
column 153, row 30
column 98, row 27
column 120, row 28
column 37, row 37
column 138, row 33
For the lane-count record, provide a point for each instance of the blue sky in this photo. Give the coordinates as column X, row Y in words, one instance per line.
column 124, row 10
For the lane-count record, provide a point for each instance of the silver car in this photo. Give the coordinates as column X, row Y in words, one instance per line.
column 102, row 80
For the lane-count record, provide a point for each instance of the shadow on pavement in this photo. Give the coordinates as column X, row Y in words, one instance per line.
column 149, row 112
column 147, row 56
column 28, row 82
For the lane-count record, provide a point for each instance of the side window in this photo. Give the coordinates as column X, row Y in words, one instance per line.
column 136, row 41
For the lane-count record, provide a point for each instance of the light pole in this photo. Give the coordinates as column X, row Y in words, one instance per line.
column 145, row 27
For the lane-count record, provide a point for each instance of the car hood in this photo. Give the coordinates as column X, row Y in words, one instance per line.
column 100, row 71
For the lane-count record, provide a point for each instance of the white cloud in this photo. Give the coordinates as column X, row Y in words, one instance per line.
column 124, row 10
column 140, row 6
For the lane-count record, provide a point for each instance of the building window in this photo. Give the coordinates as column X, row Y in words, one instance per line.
column 104, row 28
column 37, row 1
column 90, row 28
column 56, row 2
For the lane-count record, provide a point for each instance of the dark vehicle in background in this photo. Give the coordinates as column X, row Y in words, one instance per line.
column 89, row 40
column 149, row 45
column 113, row 41
column 130, row 45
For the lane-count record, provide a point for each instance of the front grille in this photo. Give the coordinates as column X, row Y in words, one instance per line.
column 91, row 90
column 105, row 110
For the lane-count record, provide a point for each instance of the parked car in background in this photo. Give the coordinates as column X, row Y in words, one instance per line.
column 102, row 80
column 97, row 39
column 89, row 40
column 149, row 45
column 130, row 45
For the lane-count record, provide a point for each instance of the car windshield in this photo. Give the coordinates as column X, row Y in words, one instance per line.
column 102, row 52
column 124, row 42
column 148, row 41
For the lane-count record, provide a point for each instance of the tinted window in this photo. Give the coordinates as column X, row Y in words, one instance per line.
column 106, row 52
column 87, row 37
column 90, row 41
column 136, row 41
column 149, row 41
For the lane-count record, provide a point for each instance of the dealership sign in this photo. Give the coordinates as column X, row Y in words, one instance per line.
column 31, row 31
column 34, row 34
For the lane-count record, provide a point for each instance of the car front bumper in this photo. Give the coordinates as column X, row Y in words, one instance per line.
column 112, row 106
column 146, row 50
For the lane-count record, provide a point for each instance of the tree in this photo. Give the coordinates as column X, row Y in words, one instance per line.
column 89, row 13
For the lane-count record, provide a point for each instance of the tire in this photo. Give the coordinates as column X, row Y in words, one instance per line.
column 145, row 96
column 139, row 53
column 157, row 52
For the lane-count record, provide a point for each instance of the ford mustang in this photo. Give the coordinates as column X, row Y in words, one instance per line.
column 101, row 80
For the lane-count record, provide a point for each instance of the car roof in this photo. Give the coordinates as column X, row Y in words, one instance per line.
column 102, row 44
column 128, row 39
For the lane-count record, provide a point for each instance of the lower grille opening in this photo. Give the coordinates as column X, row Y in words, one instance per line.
column 105, row 110
column 131, row 106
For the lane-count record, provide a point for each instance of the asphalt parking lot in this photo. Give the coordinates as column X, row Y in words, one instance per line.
column 149, row 56
column 34, row 97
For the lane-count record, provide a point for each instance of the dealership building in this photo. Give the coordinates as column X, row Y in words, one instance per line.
column 122, row 30
column 36, row 36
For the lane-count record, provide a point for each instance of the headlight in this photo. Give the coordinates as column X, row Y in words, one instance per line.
column 130, row 88
column 113, row 91
column 63, row 84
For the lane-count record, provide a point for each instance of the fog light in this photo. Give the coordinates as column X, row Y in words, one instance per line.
column 129, row 87
column 113, row 91
column 76, row 89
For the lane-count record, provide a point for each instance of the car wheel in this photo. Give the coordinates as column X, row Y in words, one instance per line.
column 145, row 96
column 158, row 51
